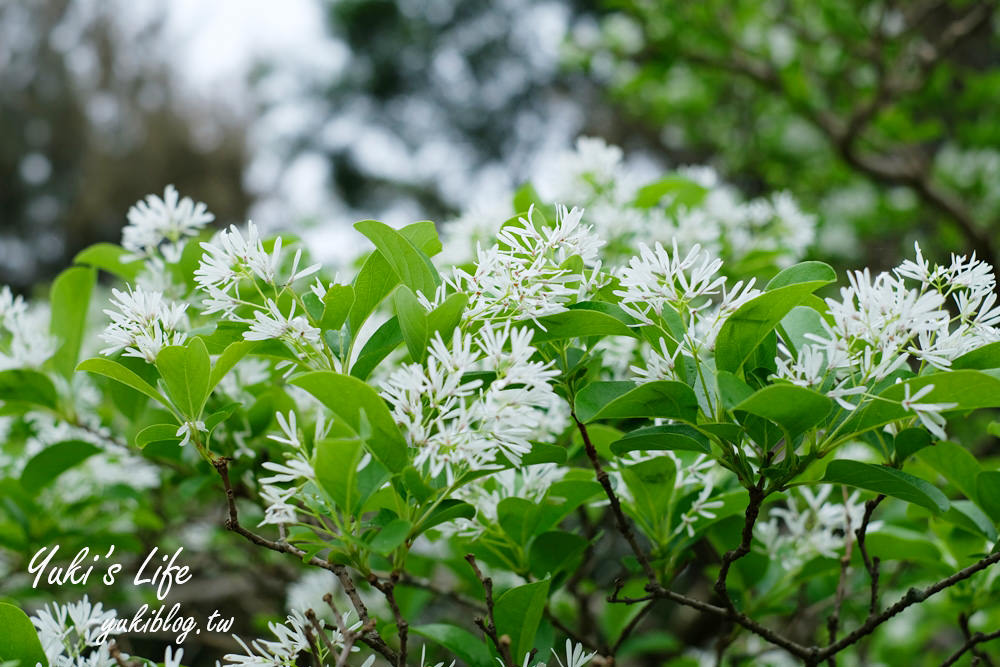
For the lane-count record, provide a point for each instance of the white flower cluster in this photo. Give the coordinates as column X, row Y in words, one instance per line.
column 456, row 423
column 162, row 225
column 291, row 640
column 523, row 275
column 882, row 325
column 24, row 336
column 485, row 494
column 231, row 259
column 792, row 536
column 69, row 633
column 143, row 323
column 697, row 209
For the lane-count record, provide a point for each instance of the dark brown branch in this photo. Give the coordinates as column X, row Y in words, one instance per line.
column 321, row 633
column 757, row 496
column 388, row 589
column 970, row 643
column 871, row 564
column 370, row 636
column 624, row 526
column 488, row 625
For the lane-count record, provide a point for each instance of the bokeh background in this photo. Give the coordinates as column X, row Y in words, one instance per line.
column 881, row 118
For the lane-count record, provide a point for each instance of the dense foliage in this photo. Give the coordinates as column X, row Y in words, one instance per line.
column 629, row 430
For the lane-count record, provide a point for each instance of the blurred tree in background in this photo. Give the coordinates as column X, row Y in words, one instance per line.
column 90, row 124
column 880, row 116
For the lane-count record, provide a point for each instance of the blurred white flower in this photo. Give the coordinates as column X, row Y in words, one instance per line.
column 155, row 221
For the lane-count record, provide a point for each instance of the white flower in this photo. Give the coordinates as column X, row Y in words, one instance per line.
column 29, row 343
column 189, row 430
column 171, row 659
column 660, row 365
column 155, row 220
column 293, row 329
column 575, row 655
column 278, row 510
column 657, row 279
column 143, row 324
column 68, row 631
column 928, row 413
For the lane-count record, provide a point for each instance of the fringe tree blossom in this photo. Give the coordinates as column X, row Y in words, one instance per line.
column 163, row 224
column 928, row 413
column 457, row 424
column 69, row 633
column 24, row 333
column 143, row 323
column 290, row 640
column 522, row 276
column 278, row 510
column 792, row 535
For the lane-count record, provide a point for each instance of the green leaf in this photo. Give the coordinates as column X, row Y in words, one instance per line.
column 732, row 390
column 554, row 551
column 799, row 321
column 803, row 272
column 970, row 389
column 336, row 306
column 518, row 518
column 462, row 643
column 108, row 257
column 988, row 493
column 352, row 400
column 909, row 441
column 19, row 640
column 620, row 400
column 794, row 408
column 412, row 266
column 518, row 612
column 578, row 323
column 376, row 278
column 887, row 481
column 156, row 433
column 412, row 322
column 956, row 464
column 70, row 298
column 987, row 356
column 186, row 371
column 119, row 373
column 448, row 509
column 381, row 343
column 390, row 536
column 230, row 356
column 966, row 514
column 20, row 385
column 447, row 316
column 335, row 461
column 752, row 321
column 675, row 437
column 652, row 485
column 45, row 466
column 894, row 543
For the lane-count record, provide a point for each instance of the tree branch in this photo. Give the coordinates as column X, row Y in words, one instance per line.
column 489, row 626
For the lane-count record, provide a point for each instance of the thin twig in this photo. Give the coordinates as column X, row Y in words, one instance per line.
column 871, row 563
column 488, row 625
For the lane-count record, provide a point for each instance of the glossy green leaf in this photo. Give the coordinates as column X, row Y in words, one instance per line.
column 675, row 437
column 21, row 385
column 909, row 441
column 987, row 356
column 386, row 338
column 463, row 644
column 186, row 371
column 888, row 481
column 652, row 485
column 18, row 638
column 955, row 463
column 412, row 322
column 970, row 389
column 894, row 543
column 352, row 401
column 966, row 514
column 752, row 321
column 70, row 299
column 518, row 613
column 156, row 433
column 390, row 536
column 45, row 466
column 578, row 323
column 337, row 305
column 412, row 266
column 794, row 408
column 553, row 551
column 518, row 518
column 447, row 510
column 110, row 257
column 230, row 356
column 619, row 400
column 377, row 278
column 119, row 373
column 335, row 461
